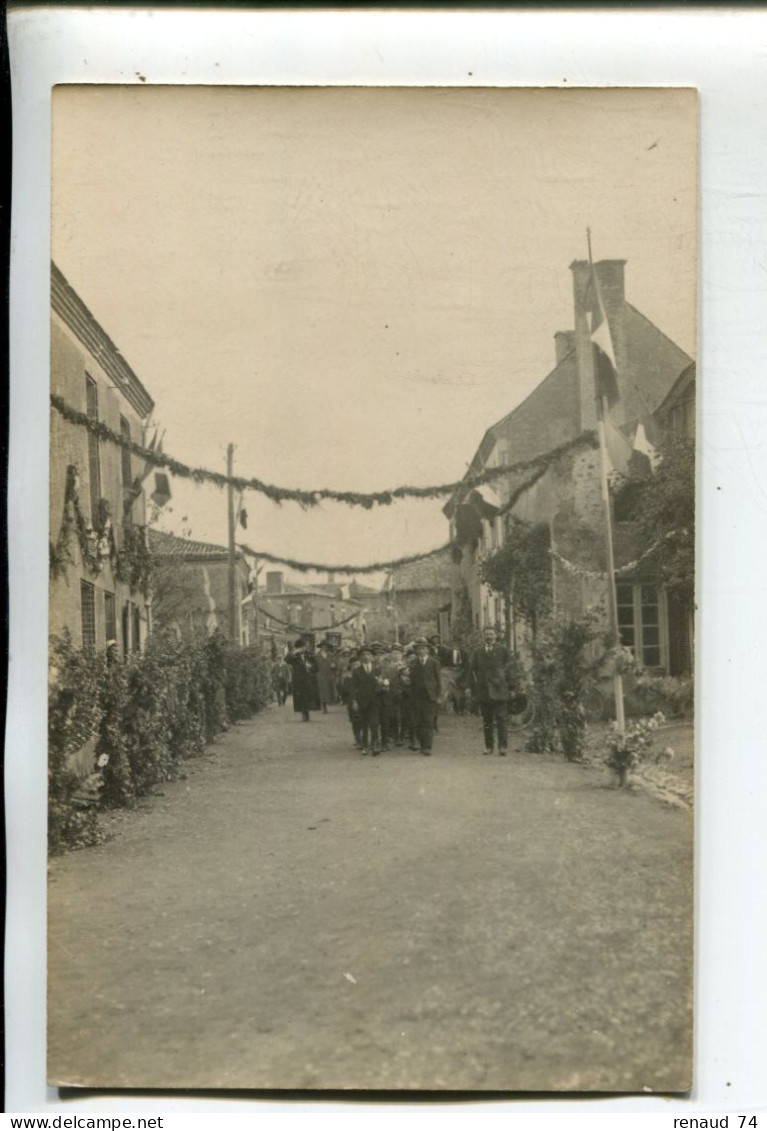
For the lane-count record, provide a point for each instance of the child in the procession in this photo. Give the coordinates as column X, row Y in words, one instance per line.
column 391, row 718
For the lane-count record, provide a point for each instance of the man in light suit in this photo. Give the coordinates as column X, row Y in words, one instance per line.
column 492, row 676
column 424, row 694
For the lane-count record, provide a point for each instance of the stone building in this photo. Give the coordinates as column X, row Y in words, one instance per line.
column 97, row 515
column 287, row 610
column 191, row 586
column 565, row 494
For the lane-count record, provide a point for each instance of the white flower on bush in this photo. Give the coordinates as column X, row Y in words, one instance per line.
column 102, row 761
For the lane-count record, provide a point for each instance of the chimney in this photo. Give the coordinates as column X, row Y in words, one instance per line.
column 610, row 274
column 564, row 343
column 274, row 582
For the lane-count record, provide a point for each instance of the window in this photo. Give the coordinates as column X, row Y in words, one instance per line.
column 88, row 616
column 94, row 462
column 110, row 617
column 642, row 623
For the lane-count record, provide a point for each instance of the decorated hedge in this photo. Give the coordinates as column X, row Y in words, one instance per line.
column 139, row 720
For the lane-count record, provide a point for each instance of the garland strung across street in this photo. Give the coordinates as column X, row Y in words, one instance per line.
column 313, row 498
column 598, row 575
column 314, row 628
column 378, row 567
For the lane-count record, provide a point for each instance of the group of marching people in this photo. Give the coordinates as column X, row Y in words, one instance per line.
column 392, row 696
column 392, row 692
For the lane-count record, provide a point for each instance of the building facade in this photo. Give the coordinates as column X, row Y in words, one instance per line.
column 97, row 508
column 563, row 495
column 287, row 610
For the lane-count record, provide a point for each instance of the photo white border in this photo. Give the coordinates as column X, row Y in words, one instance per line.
column 721, row 52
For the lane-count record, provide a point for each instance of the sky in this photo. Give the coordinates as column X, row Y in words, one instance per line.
column 349, row 284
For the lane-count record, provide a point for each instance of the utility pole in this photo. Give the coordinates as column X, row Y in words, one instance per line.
column 234, row 635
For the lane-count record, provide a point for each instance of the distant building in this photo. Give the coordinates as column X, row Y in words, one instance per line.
column 191, row 586
column 566, row 496
column 98, row 553
column 287, row 610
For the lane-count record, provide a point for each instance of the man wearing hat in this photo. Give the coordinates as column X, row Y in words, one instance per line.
column 366, row 703
column 303, row 669
column 424, row 694
column 492, row 673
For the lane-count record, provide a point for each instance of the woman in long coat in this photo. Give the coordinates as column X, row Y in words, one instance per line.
column 303, row 667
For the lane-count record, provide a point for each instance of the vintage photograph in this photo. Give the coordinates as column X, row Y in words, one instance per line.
column 372, row 588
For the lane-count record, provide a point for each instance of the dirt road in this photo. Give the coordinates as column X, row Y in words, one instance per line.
column 296, row 915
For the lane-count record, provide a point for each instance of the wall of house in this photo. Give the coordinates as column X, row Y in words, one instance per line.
column 70, row 362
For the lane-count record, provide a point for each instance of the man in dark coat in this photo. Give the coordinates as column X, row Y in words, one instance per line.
column 303, row 669
column 424, row 694
column 492, row 676
column 366, row 703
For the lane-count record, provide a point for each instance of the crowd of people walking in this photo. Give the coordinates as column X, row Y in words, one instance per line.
column 392, row 692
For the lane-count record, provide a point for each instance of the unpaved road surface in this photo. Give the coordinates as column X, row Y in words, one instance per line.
column 295, row 915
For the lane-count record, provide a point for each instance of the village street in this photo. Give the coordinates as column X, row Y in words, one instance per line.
column 292, row 914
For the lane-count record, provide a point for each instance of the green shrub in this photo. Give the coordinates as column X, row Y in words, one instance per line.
column 563, row 667
column 145, row 716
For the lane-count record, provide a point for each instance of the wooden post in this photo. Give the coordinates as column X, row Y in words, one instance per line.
column 612, row 597
column 233, row 618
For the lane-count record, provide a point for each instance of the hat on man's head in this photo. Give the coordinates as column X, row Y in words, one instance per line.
column 421, row 642
column 396, row 647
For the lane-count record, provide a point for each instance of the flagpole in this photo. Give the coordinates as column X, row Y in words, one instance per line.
column 612, row 595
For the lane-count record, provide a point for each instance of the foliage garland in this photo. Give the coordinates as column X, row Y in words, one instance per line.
column 324, row 567
column 571, row 567
column 312, row 498
column 522, row 566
